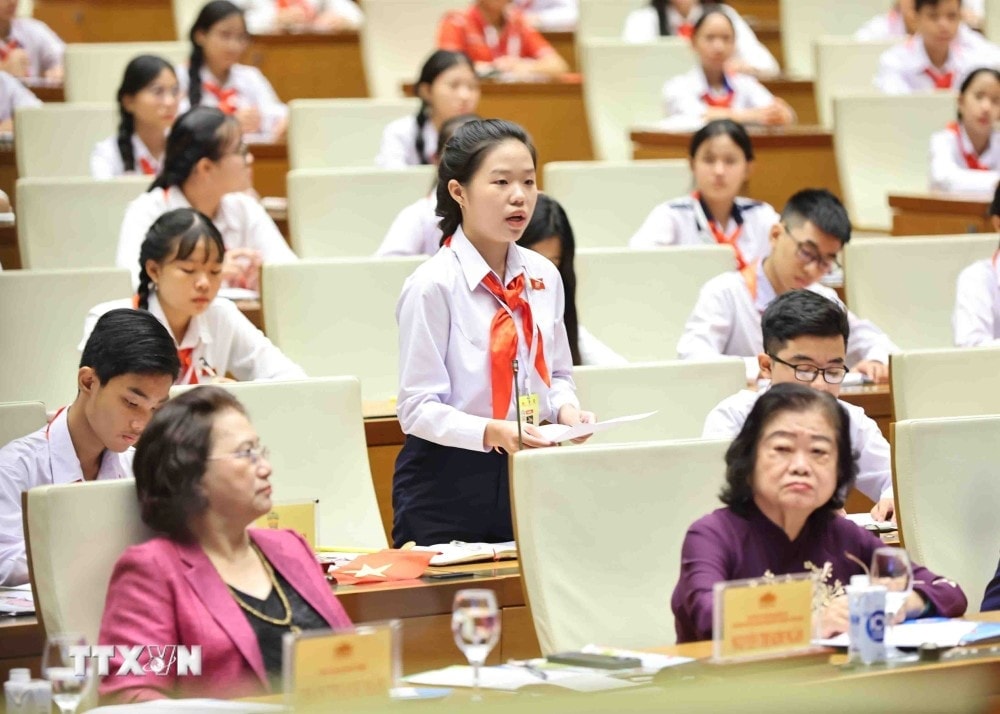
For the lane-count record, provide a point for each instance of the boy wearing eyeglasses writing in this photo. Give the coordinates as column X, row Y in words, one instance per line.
column 726, row 319
column 805, row 338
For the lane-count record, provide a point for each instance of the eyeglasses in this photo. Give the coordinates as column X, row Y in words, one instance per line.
column 160, row 92
column 807, row 253
column 243, row 151
column 254, row 454
column 808, row 373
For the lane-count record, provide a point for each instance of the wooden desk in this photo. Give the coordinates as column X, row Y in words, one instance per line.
column 290, row 62
column 45, row 90
column 917, row 214
column 757, row 9
column 565, row 44
column 800, row 94
column 108, row 20
column 788, row 159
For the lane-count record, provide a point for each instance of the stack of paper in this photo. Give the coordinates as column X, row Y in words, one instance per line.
column 17, row 600
column 510, row 678
column 461, row 552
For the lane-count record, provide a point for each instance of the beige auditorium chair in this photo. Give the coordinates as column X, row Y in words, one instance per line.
column 353, row 330
column 185, row 13
column 868, row 164
column 681, row 392
column 324, row 413
column 72, row 222
column 637, row 301
column 335, row 213
column 928, row 384
column 992, row 21
column 607, row 201
column 844, row 66
column 623, row 87
column 94, row 71
column 803, row 21
column 604, row 18
column 397, row 38
column 41, row 321
column 330, row 133
column 947, row 490
column 906, row 286
column 599, row 532
column 18, row 419
column 45, row 148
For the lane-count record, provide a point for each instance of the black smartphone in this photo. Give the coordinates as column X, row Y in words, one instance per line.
column 595, row 661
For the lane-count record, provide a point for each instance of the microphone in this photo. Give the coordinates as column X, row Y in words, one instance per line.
column 517, row 405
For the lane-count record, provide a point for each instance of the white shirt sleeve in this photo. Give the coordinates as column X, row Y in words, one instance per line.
column 641, row 26
column 757, row 95
column 973, row 321
column 406, row 234
column 946, row 175
column 593, row 352
column 726, row 420
column 259, row 15
column 105, row 160
column 876, row 28
column 17, row 96
column 348, row 10
column 52, row 48
column 867, row 342
column 750, row 49
column 261, row 232
column 397, row 144
column 252, row 356
column 272, row 110
column 13, row 559
column 889, row 77
column 657, row 230
column 873, row 457
column 139, row 216
column 680, row 100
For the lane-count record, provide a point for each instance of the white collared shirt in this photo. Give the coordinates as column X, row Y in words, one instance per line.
column 642, row 25
column 726, row 321
column 414, row 231
column 252, row 90
column 106, row 159
column 14, row 95
column 444, row 315
column 223, row 341
column 683, row 94
column 949, row 169
column 976, row 318
column 399, row 143
column 890, row 26
column 683, row 222
column 260, row 14
column 43, row 46
column 553, row 15
column 726, row 420
column 902, row 68
column 242, row 222
column 42, row 458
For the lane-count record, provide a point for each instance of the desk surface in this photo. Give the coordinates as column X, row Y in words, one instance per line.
column 939, row 213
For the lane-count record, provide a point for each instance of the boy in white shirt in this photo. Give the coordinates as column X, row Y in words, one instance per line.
column 976, row 318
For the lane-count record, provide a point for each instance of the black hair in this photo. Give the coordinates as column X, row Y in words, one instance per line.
column 822, row 209
column 450, row 126
column 799, row 313
column 548, row 220
column 462, row 157
column 171, row 458
column 741, row 457
column 199, row 133
column 722, row 127
column 127, row 341
column 213, row 12
column 971, row 76
column 139, row 74
column 438, row 63
column 662, row 19
column 919, row 4
column 708, row 11
column 177, row 233
column 995, row 205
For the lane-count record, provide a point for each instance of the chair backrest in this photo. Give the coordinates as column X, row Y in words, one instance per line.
column 72, row 222
column 326, row 414
column 637, row 301
column 868, row 165
column 335, row 213
column 604, row 18
column 590, row 520
column 623, row 87
column 185, row 13
column 41, row 323
column 991, row 21
column 44, row 145
column 929, row 384
column 803, row 21
column 947, row 490
column 891, row 281
column 397, row 37
column 682, row 392
column 844, row 66
column 359, row 336
column 94, row 70
column 76, row 532
column 583, row 188
column 18, row 419
column 331, row 133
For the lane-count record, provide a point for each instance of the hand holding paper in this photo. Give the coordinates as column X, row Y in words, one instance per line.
column 560, row 432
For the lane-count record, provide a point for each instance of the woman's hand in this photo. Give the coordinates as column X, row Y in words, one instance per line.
column 884, row 510
column 241, row 268
column 571, row 416
column 834, row 617
column 877, row 372
column 502, row 434
column 17, row 63
column 913, row 607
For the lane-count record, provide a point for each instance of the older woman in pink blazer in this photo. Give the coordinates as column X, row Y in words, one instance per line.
column 202, row 478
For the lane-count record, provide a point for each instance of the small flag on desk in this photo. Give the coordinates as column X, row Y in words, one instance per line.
column 382, row 567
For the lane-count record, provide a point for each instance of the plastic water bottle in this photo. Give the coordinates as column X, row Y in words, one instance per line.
column 25, row 695
column 866, row 607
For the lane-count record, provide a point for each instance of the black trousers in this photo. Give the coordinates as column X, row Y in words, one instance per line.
column 443, row 493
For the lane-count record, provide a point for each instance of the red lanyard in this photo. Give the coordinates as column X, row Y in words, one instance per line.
column 49, row 425
column 971, row 160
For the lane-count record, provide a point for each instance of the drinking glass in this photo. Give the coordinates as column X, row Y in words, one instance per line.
column 891, row 568
column 69, row 683
column 475, row 624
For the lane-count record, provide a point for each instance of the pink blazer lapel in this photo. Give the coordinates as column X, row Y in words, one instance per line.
column 218, row 601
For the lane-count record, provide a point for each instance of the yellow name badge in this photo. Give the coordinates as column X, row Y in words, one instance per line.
column 323, row 669
column 530, row 410
column 757, row 618
column 299, row 517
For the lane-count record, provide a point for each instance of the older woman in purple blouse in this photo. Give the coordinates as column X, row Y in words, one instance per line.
column 786, row 474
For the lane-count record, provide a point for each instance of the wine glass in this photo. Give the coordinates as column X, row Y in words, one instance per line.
column 475, row 624
column 891, row 568
column 69, row 675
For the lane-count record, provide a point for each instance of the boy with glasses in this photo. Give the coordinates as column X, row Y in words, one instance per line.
column 814, row 227
column 805, row 337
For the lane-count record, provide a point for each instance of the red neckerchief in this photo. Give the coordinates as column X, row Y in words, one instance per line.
column 971, row 160
column 225, row 96
column 718, row 232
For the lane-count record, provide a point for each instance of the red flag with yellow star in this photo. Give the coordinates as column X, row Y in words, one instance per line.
column 385, row 566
